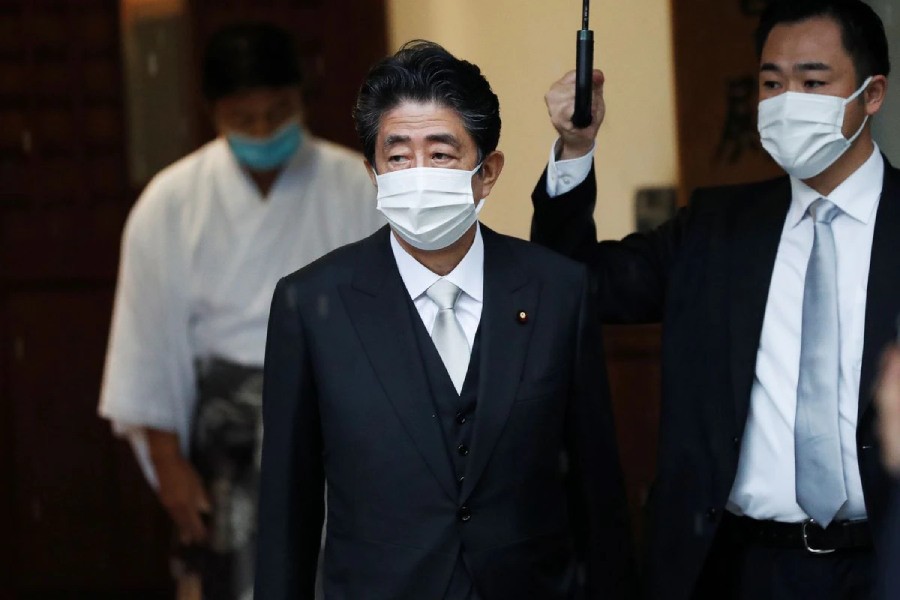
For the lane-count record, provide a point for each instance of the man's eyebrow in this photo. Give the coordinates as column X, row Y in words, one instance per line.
column 444, row 138
column 440, row 138
column 812, row 66
column 395, row 139
column 799, row 67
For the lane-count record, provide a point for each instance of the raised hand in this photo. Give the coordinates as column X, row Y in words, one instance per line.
column 560, row 100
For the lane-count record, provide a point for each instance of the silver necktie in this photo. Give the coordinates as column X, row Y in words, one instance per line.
column 448, row 335
column 821, row 491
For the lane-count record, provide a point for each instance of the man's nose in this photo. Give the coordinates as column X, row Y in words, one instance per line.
column 263, row 127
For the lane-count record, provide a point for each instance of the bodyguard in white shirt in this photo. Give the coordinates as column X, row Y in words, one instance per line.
column 776, row 300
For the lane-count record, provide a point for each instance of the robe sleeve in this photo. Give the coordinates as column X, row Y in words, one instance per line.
column 149, row 379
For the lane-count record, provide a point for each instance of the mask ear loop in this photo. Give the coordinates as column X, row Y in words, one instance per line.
column 856, row 95
column 862, row 88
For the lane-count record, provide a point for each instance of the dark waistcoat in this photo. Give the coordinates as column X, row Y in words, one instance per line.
column 456, row 414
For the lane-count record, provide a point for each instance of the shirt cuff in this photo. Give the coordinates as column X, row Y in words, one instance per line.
column 565, row 175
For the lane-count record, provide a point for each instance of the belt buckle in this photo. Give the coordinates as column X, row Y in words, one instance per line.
column 806, row 545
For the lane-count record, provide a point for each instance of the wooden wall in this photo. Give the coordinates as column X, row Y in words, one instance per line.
column 716, row 75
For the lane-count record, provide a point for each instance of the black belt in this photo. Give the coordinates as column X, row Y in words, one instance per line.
column 839, row 535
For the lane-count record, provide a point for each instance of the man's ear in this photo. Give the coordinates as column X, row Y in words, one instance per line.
column 214, row 113
column 371, row 171
column 490, row 172
column 875, row 94
column 300, row 106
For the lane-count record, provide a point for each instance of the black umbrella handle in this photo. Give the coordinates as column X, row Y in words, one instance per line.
column 584, row 68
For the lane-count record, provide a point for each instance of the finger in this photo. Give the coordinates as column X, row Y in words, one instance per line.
column 196, row 528
column 204, row 504
column 567, row 79
column 201, row 501
column 560, row 94
column 888, row 384
column 182, row 520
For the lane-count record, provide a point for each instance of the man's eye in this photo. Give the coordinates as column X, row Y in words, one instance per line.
column 396, row 158
column 440, row 156
column 241, row 122
column 279, row 115
column 771, row 85
column 812, row 83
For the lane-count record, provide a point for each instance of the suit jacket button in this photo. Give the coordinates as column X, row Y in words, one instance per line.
column 712, row 514
column 464, row 514
column 462, row 450
column 460, row 479
column 461, row 418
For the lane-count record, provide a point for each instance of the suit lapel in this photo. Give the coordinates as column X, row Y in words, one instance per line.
column 757, row 231
column 377, row 305
column 504, row 344
column 883, row 295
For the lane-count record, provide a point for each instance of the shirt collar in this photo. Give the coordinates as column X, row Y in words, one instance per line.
column 467, row 276
column 857, row 196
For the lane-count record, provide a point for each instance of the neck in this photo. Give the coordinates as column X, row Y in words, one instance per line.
column 264, row 180
column 442, row 261
column 855, row 157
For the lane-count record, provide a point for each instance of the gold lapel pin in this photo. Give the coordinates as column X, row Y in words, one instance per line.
column 522, row 317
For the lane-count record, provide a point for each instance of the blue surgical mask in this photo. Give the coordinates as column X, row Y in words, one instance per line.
column 269, row 153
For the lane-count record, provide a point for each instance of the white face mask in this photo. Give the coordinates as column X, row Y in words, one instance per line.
column 429, row 208
column 803, row 132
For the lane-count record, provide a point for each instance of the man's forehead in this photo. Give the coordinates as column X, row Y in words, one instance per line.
column 814, row 44
column 256, row 97
column 414, row 118
column 419, row 110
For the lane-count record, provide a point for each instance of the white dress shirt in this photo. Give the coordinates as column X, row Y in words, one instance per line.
column 201, row 254
column 564, row 175
column 468, row 276
column 765, row 486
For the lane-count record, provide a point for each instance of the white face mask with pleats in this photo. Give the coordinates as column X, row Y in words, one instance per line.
column 803, row 132
column 429, row 208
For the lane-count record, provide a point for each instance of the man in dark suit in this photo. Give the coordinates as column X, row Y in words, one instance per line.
column 467, row 440
column 887, row 395
column 776, row 299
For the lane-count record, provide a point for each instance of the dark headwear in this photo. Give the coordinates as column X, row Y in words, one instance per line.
column 247, row 56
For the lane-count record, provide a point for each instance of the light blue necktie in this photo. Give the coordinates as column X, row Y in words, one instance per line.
column 821, row 491
column 447, row 334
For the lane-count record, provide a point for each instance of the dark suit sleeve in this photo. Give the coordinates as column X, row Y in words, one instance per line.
column 599, row 513
column 889, row 555
column 291, row 505
column 632, row 274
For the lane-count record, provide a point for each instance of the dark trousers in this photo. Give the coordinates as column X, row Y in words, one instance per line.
column 738, row 571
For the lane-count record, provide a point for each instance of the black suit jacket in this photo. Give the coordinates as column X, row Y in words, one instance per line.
column 889, row 563
column 346, row 400
column 705, row 274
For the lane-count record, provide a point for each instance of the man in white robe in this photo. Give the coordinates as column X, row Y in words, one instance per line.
column 201, row 253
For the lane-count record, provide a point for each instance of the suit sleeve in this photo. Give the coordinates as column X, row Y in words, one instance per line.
column 291, row 504
column 632, row 274
column 597, row 493
column 889, row 555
